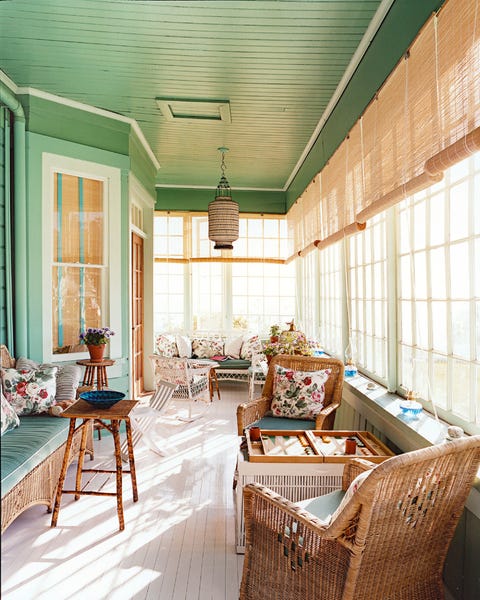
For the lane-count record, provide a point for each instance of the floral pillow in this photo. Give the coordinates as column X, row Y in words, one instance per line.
column 207, row 347
column 67, row 379
column 298, row 394
column 10, row 418
column 30, row 392
column 251, row 345
column 166, row 345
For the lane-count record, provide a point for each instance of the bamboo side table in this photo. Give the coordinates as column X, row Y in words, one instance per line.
column 85, row 411
column 96, row 376
column 96, row 371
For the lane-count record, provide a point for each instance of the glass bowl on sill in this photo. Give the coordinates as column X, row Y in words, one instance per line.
column 411, row 408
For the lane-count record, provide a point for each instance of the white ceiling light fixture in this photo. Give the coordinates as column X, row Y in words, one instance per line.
column 223, row 213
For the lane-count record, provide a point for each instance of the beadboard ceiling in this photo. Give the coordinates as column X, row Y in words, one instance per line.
column 254, row 76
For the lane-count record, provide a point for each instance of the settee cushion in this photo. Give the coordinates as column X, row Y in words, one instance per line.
column 25, row 447
column 234, row 364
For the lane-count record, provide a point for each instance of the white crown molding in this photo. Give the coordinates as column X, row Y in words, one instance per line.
column 209, row 187
column 86, row 108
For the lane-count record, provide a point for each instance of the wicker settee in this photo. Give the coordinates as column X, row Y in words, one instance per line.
column 31, row 459
column 233, row 354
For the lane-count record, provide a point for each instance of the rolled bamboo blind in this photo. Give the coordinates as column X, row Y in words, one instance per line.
column 424, row 119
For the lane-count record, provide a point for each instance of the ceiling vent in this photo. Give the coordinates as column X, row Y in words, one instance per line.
column 185, row 109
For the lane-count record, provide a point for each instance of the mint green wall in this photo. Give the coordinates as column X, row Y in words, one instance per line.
column 3, row 251
column 46, row 117
column 198, row 200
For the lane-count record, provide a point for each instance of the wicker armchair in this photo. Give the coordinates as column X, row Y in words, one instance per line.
column 191, row 376
column 254, row 410
column 389, row 540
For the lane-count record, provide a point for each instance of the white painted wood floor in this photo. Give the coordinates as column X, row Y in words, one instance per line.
column 179, row 538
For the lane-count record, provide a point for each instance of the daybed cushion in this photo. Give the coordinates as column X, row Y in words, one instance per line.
column 27, row 446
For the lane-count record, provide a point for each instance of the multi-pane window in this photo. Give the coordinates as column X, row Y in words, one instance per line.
column 367, row 298
column 79, row 261
column 263, row 294
column 199, row 288
column 331, row 298
column 439, row 291
column 308, row 294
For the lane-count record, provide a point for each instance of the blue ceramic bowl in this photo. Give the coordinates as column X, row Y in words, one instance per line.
column 102, row 398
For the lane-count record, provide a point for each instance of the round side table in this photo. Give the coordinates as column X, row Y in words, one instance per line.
column 95, row 372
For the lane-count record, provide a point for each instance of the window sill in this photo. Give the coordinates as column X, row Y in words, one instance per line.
column 382, row 409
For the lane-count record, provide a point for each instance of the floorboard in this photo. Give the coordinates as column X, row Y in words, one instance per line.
column 179, row 538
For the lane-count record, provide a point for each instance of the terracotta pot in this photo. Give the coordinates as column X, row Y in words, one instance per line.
column 269, row 358
column 274, row 339
column 96, row 352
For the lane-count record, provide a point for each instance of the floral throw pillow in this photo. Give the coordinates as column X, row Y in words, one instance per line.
column 298, row 394
column 166, row 345
column 251, row 346
column 10, row 418
column 207, row 347
column 30, row 392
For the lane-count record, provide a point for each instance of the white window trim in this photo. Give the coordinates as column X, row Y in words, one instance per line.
column 111, row 178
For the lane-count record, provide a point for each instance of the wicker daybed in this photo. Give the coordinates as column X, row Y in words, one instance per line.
column 31, row 459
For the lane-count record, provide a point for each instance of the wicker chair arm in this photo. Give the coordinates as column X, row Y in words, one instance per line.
column 285, row 541
column 324, row 413
column 353, row 468
column 249, row 412
column 199, row 368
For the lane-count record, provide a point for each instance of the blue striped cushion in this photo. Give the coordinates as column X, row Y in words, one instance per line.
column 284, row 423
column 25, row 447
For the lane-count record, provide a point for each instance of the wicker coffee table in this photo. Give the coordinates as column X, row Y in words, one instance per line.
column 117, row 413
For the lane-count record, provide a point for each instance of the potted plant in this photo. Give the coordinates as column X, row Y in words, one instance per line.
column 96, row 338
column 274, row 333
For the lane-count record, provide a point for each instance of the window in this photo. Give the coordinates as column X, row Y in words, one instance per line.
column 439, row 290
column 331, row 302
column 410, row 299
column 199, row 288
column 367, row 298
column 82, row 253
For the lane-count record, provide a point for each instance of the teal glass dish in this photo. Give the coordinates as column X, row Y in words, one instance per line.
column 102, row 398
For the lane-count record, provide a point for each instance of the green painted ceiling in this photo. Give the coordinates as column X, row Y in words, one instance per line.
column 275, row 65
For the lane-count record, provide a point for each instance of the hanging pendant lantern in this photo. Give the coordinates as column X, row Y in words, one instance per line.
column 223, row 214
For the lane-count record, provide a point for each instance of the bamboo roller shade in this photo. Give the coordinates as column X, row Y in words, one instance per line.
column 424, row 119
